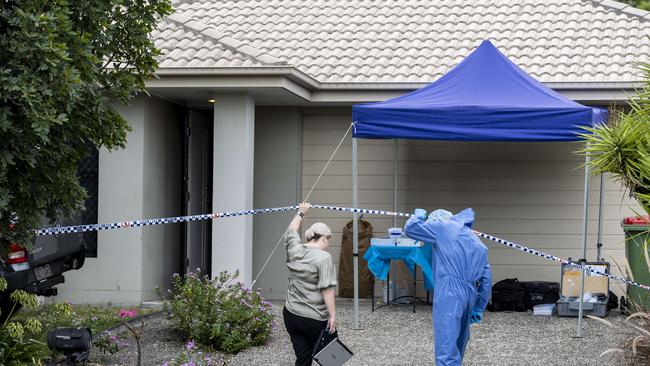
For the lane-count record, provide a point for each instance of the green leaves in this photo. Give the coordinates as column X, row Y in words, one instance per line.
column 23, row 298
column 16, row 347
column 622, row 147
column 63, row 65
column 641, row 4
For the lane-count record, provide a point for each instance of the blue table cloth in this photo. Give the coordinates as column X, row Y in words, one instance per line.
column 379, row 257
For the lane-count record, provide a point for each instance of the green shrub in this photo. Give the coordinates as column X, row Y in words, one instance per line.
column 16, row 345
column 97, row 318
column 108, row 343
column 220, row 313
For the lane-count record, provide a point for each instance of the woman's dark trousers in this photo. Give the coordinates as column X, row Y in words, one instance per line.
column 304, row 333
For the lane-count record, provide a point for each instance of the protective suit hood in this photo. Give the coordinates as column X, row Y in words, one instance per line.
column 465, row 217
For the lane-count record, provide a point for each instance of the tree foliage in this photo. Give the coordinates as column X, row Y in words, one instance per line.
column 641, row 4
column 63, row 64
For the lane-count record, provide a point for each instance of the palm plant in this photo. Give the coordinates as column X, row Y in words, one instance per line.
column 622, row 147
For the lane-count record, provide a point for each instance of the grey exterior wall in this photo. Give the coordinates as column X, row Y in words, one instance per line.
column 162, row 194
column 277, row 177
column 142, row 180
column 530, row 193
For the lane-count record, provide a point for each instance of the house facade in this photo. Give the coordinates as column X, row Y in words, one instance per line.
column 252, row 98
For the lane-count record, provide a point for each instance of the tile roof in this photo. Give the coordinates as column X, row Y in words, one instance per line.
column 187, row 43
column 402, row 41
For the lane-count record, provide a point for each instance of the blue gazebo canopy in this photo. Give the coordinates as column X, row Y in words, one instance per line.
column 484, row 98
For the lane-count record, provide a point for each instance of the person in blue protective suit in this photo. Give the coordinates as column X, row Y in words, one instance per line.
column 462, row 276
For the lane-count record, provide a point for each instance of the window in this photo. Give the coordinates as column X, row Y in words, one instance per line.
column 88, row 172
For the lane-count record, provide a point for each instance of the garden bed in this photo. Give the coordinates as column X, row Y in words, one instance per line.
column 96, row 317
column 396, row 336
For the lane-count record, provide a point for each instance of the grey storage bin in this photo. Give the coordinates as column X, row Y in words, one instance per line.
column 570, row 290
column 571, row 308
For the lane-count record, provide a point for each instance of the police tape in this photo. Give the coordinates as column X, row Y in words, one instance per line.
column 585, row 267
column 179, row 219
column 148, row 222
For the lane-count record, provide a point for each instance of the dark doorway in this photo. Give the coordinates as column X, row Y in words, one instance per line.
column 196, row 248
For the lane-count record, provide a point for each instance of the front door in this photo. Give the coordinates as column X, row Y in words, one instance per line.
column 198, row 235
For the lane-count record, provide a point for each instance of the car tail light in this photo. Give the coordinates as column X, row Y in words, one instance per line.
column 18, row 257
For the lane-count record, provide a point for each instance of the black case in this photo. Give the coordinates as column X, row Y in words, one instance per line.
column 69, row 339
column 508, row 295
column 541, row 292
column 324, row 339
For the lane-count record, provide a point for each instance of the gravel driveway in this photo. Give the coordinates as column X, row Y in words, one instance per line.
column 395, row 336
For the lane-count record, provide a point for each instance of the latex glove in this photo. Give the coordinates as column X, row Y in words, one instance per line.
column 476, row 317
column 420, row 213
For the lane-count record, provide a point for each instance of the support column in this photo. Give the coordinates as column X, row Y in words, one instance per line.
column 232, row 187
column 585, row 225
column 355, row 233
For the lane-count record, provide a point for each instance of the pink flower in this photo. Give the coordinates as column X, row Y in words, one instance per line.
column 124, row 313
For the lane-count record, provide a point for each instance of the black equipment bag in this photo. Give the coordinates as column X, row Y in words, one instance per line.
column 508, row 295
column 540, row 292
column 612, row 301
column 69, row 339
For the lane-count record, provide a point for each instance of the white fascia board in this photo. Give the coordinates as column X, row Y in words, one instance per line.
column 417, row 85
column 601, row 96
column 216, row 82
column 211, row 81
column 290, row 72
column 311, row 83
column 297, row 89
column 311, row 90
column 592, row 92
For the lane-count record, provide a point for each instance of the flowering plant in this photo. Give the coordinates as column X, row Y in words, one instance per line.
column 109, row 342
column 126, row 315
column 220, row 312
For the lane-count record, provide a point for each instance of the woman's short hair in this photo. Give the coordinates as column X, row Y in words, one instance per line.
column 317, row 230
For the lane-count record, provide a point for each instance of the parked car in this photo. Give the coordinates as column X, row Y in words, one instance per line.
column 41, row 268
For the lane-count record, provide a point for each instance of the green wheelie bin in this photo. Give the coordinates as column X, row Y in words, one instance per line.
column 637, row 239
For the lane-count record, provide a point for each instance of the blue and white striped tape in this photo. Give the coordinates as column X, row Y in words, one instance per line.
column 561, row 260
column 164, row 220
column 177, row 219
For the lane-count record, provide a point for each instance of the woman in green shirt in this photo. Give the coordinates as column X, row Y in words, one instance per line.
column 309, row 307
